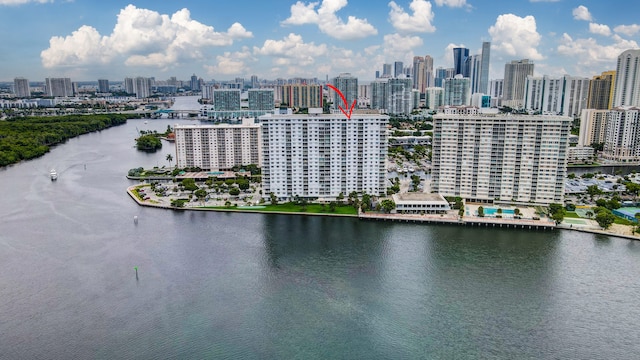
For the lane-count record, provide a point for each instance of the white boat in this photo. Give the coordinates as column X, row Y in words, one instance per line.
column 53, row 174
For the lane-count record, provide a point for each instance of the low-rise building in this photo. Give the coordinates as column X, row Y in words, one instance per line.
column 420, row 203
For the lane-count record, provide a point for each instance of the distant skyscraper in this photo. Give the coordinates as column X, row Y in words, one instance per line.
column 457, row 91
column 142, row 87
column 627, row 83
column 434, row 97
column 103, row 85
column 483, row 87
column 428, row 67
column 419, row 74
column 254, row 82
column 194, row 84
column 301, row 96
column 473, row 65
column 348, row 85
column 398, row 69
column 565, row 95
column 377, row 74
column 399, row 96
column 60, row 87
column 440, row 74
column 260, row 99
column 387, row 70
column 129, row 86
column 515, row 77
column 601, row 91
column 379, row 90
column 460, row 56
column 21, row 87
column 226, row 99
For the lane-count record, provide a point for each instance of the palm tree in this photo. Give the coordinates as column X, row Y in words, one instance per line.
column 588, row 214
column 169, row 159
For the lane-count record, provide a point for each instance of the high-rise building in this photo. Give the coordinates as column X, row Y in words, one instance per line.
column 348, row 85
column 474, row 66
column 322, row 156
column 428, row 68
column 142, row 87
column 21, row 87
column 434, row 97
column 261, row 99
column 460, row 56
column 601, row 91
column 457, row 91
column 103, row 85
column 496, row 88
column 398, row 69
column 399, row 96
column 194, row 83
column 517, row 158
column 440, row 75
column 515, row 77
column 301, row 96
column 627, row 84
column 254, row 82
column 60, row 87
column 565, row 95
column 593, row 127
column 419, row 74
column 218, row 147
column 621, row 142
column 387, row 70
column 483, row 85
column 379, row 91
column 129, row 85
column 226, row 99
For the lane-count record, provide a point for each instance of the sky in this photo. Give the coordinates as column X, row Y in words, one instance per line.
column 86, row 39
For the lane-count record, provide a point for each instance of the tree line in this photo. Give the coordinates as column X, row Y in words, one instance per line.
column 31, row 137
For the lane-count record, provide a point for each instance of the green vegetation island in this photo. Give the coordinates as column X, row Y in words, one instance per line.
column 31, row 137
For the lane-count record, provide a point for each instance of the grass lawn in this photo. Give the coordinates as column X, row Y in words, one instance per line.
column 571, row 214
column 622, row 221
column 293, row 208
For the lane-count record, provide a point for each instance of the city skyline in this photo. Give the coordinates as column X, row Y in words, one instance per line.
column 283, row 39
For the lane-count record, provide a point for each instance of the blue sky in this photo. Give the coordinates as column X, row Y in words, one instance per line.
column 221, row 40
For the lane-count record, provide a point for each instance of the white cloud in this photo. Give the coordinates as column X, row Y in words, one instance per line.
column 231, row 63
column 291, row 50
column 419, row 22
column 21, row 2
column 628, row 30
column 400, row 47
column 451, row 3
column 599, row 29
column 141, row 37
column 515, row 36
column 327, row 20
column 590, row 56
column 582, row 13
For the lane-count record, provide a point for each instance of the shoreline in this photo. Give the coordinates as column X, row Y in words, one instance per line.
column 523, row 224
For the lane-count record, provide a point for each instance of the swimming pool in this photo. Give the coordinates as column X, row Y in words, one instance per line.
column 494, row 211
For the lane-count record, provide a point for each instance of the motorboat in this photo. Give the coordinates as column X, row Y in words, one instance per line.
column 53, row 174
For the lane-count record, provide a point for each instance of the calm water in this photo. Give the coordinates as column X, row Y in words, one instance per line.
column 215, row 285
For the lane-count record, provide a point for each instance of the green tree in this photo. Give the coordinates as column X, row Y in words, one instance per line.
column 340, row 197
column 189, row 184
column 480, row 211
column 243, row 184
column 589, row 214
column 388, row 205
column 332, row 206
column 605, row 218
column 148, row 143
column 234, row 191
column 169, row 159
column 273, row 198
column 200, row 194
column 558, row 216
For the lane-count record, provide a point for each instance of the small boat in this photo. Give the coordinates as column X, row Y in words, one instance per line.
column 146, row 122
column 53, row 174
